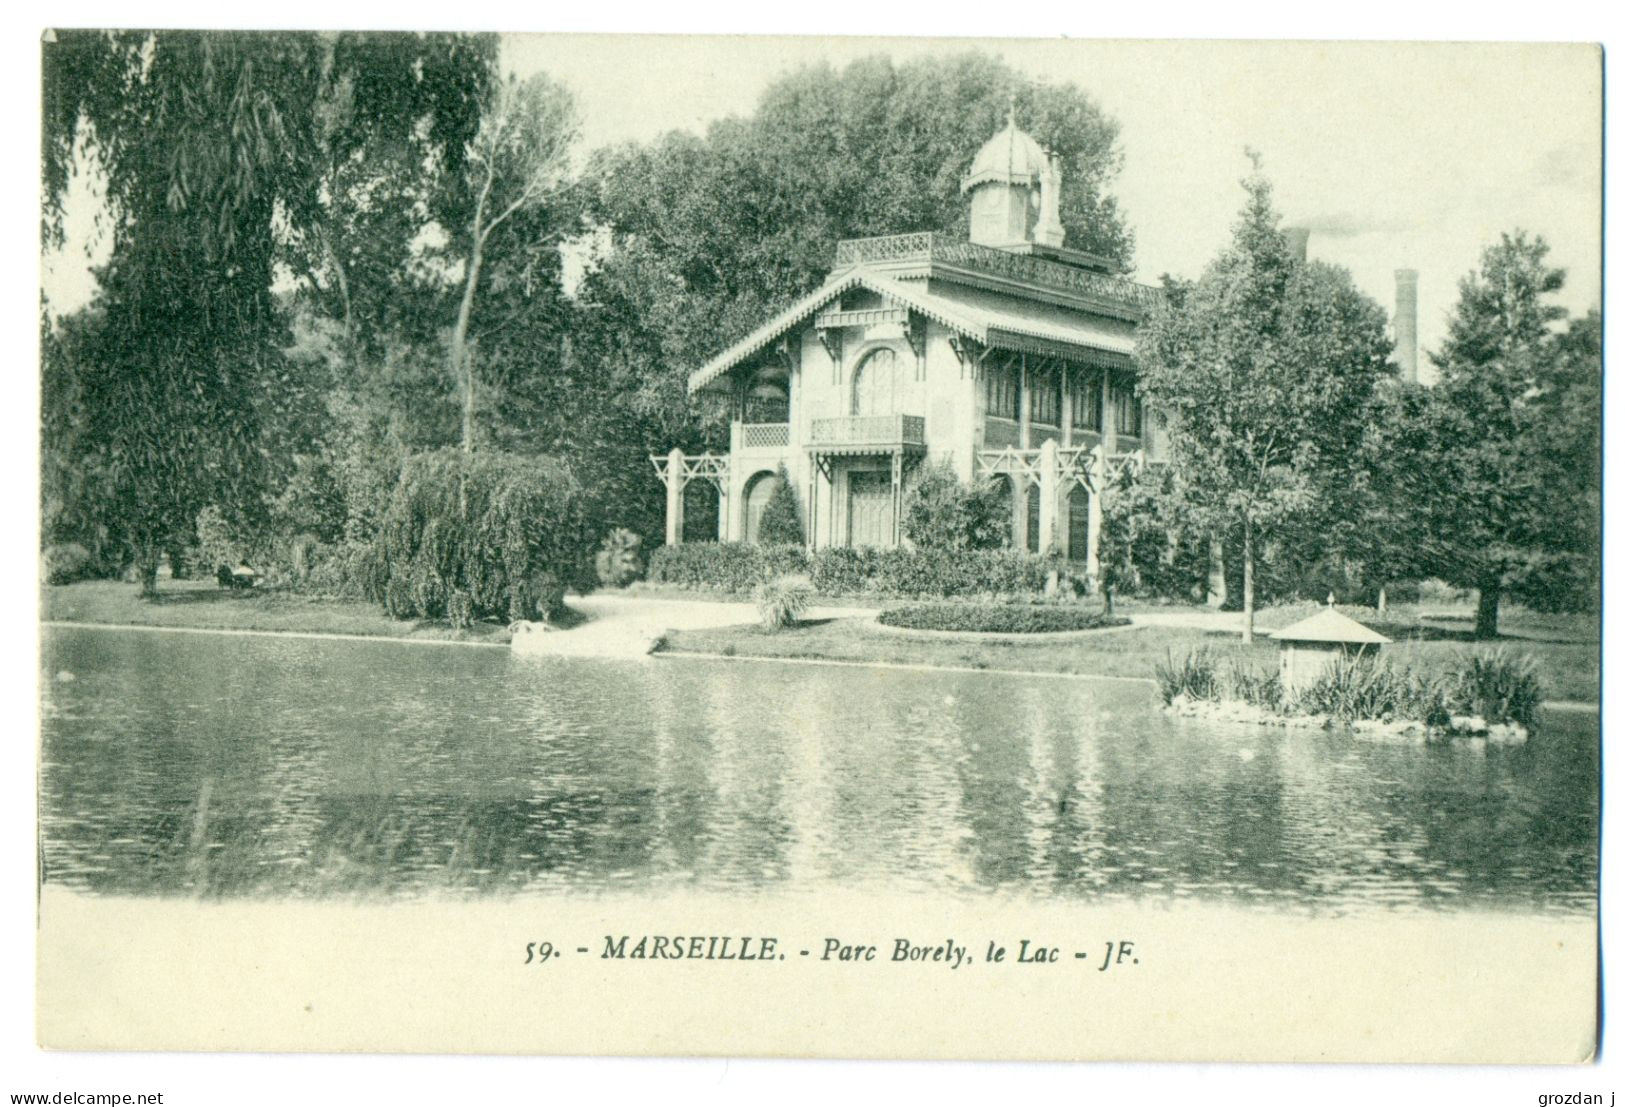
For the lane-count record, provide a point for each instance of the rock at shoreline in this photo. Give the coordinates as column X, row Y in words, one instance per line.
column 1471, row 728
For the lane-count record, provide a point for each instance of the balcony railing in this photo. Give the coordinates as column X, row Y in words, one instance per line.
column 877, row 432
column 764, row 436
column 927, row 247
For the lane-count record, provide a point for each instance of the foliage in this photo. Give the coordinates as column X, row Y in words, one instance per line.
column 212, row 147
column 1259, row 687
column 1497, row 686
column 1492, row 478
column 782, row 601
column 217, row 543
column 515, row 163
column 1193, row 675
column 724, row 566
column 512, row 532
column 460, row 609
column 841, row 570
column 997, row 618
column 1260, row 368
column 780, row 524
column 620, row 558
column 941, row 513
column 65, row 563
column 1152, row 543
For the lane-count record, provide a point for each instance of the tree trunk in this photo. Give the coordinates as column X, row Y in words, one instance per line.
column 1247, row 582
column 462, row 364
column 1487, row 624
column 146, row 567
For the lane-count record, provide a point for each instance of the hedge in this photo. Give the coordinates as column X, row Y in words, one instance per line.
column 997, row 618
column 840, row 571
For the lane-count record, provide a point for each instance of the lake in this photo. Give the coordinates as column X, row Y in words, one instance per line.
column 227, row 766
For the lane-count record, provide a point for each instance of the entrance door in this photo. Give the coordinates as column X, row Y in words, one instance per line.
column 869, row 508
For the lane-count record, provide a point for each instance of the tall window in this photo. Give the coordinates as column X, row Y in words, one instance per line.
column 1004, row 393
column 1046, row 400
column 1128, row 415
column 874, row 385
column 1086, row 401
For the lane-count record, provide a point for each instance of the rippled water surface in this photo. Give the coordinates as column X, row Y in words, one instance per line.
column 190, row 763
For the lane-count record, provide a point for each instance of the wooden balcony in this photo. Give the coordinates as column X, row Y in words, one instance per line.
column 857, row 434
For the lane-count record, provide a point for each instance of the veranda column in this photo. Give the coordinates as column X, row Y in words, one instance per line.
column 1097, row 515
column 1049, row 489
column 1018, row 512
column 675, row 479
column 725, row 508
column 1108, row 413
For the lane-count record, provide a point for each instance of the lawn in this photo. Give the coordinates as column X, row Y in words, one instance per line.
column 1568, row 668
column 205, row 605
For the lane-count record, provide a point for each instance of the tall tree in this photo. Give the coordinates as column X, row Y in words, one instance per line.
column 1264, row 369
column 1502, row 459
column 213, row 146
column 516, row 161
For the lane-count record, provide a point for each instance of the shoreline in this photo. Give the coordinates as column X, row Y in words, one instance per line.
column 666, row 652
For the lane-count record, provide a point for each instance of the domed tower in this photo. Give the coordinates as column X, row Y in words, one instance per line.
column 1015, row 192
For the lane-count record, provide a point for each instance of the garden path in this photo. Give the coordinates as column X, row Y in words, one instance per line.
column 630, row 626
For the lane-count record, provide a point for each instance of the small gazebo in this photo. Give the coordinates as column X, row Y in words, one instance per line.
column 1310, row 645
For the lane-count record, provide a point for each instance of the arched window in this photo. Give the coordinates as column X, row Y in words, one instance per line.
column 757, row 493
column 874, row 384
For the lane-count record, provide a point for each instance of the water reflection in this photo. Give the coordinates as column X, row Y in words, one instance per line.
column 189, row 764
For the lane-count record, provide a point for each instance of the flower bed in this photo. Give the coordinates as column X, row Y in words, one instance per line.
column 997, row 618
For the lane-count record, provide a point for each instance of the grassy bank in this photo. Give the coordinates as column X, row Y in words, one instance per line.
column 1568, row 669
column 1565, row 648
column 205, row 605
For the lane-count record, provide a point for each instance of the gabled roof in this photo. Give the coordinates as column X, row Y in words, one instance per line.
column 1330, row 625
column 990, row 320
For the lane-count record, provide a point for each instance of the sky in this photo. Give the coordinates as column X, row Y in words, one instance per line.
column 1395, row 155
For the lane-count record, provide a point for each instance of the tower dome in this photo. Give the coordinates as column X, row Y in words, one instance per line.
column 1010, row 157
column 1015, row 192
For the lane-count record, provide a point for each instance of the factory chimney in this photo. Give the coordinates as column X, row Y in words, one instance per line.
column 1297, row 242
column 1405, row 323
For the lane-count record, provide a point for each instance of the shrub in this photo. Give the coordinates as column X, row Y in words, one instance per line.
column 838, row 570
column 66, row 562
column 780, row 524
column 783, row 601
column 1259, row 687
column 724, row 566
column 512, row 532
column 1192, row 675
column 620, row 558
column 1351, row 687
column 941, row 513
column 217, row 544
column 1498, row 685
column 1002, row 618
column 1358, row 687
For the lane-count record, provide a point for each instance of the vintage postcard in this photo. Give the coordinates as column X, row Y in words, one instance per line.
column 836, row 547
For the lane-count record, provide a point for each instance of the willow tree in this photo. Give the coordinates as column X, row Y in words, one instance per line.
column 212, row 145
column 1266, row 369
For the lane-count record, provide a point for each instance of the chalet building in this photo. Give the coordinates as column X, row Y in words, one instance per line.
column 1006, row 358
